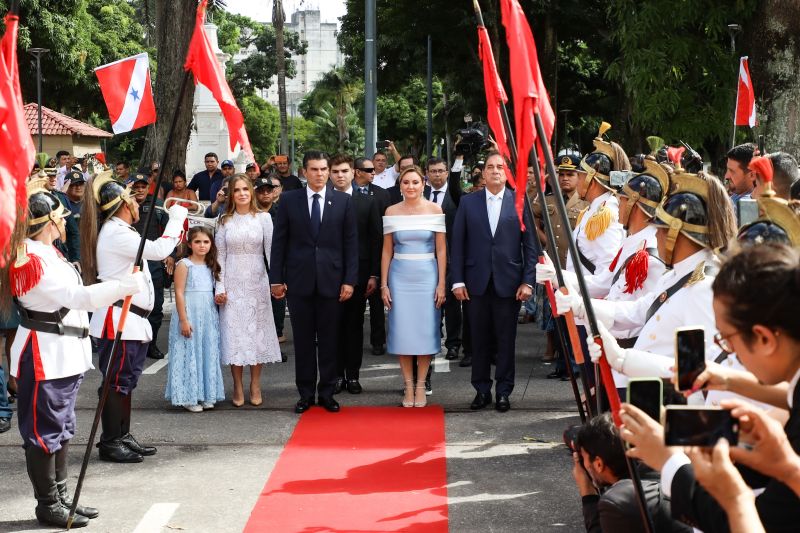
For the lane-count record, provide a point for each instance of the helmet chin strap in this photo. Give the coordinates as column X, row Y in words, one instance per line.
column 675, row 226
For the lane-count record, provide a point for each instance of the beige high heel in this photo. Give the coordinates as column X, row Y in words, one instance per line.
column 420, row 399
column 406, row 401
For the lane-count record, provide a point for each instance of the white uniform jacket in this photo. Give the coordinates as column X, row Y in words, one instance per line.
column 601, row 250
column 59, row 356
column 117, row 245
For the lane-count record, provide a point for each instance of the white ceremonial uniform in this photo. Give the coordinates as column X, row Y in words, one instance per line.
column 60, row 286
column 117, row 245
column 601, row 250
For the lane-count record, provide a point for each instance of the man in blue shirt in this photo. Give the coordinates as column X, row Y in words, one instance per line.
column 202, row 181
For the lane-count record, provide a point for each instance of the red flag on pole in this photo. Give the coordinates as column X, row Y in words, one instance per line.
column 126, row 89
column 16, row 160
column 745, row 97
column 529, row 93
column 202, row 62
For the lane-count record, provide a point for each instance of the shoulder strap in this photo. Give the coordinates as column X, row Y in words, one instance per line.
column 681, row 283
column 652, row 252
column 585, row 260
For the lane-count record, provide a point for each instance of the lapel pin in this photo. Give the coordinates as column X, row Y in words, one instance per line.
column 329, row 202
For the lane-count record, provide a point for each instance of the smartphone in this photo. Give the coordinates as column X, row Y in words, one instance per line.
column 381, row 145
column 618, row 178
column 747, row 209
column 646, row 394
column 689, row 425
column 690, row 356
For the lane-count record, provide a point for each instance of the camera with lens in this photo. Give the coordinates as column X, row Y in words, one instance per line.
column 472, row 140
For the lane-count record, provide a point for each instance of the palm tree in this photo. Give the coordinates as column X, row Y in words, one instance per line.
column 277, row 22
column 336, row 88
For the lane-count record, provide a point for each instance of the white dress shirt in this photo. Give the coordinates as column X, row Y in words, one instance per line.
column 494, row 202
column 600, row 251
column 310, row 195
column 439, row 197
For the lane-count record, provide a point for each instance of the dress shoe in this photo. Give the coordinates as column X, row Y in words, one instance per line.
column 339, row 385
column 428, row 387
column 480, row 401
column 378, row 350
column 56, row 514
column 330, row 405
column 353, row 386
column 5, row 424
column 155, row 353
column 526, row 318
column 502, row 404
column 303, row 405
column 134, row 446
column 465, row 361
column 116, row 451
column 556, row 374
column 284, row 357
column 565, row 377
column 452, row 353
column 66, row 501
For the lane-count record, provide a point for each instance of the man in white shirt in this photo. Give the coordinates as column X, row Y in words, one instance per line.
column 385, row 175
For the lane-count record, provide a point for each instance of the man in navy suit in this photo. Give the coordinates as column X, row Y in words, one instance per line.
column 492, row 263
column 314, row 261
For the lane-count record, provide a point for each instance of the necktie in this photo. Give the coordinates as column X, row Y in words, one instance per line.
column 436, row 196
column 493, row 215
column 363, row 190
column 316, row 219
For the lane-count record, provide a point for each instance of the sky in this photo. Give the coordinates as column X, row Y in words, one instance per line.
column 261, row 10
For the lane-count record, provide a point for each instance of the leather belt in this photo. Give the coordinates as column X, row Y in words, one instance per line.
column 627, row 343
column 135, row 309
column 50, row 323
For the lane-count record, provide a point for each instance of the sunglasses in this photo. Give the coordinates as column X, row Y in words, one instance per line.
column 370, row 170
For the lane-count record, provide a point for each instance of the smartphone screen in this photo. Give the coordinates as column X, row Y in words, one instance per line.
column 646, row 395
column 699, row 426
column 747, row 209
column 380, row 145
column 690, row 356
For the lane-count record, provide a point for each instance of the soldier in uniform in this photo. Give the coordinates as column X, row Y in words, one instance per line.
column 158, row 270
column 107, row 255
column 694, row 220
column 51, row 350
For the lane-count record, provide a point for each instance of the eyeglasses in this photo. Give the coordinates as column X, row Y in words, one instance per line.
column 723, row 342
column 368, row 170
column 437, row 171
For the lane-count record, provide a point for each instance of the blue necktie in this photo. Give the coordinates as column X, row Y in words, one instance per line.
column 316, row 219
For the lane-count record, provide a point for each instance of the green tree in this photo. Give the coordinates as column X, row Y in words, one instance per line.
column 341, row 92
column 263, row 125
column 402, row 114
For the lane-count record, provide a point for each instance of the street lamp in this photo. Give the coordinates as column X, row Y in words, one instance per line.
column 38, row 53
column 734, row 29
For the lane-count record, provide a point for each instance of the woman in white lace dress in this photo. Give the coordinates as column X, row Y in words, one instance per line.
column 244, row 240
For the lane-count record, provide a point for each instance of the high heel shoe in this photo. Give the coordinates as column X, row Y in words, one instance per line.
column 420, row 398
column 406, row 401
column 235, row 401
column 255, row 399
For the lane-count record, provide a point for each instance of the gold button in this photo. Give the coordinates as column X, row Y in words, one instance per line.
column 652, row 336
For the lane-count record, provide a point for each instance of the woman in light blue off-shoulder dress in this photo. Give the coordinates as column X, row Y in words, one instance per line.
column 412, row 269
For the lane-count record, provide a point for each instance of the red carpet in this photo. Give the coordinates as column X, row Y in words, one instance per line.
column 365, row 469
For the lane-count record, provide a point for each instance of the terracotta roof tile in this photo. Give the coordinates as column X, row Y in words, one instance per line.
column 55, row 123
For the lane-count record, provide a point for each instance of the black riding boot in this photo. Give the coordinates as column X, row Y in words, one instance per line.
column 42, row 473
column 127, row 438
column 111, row 446
column 61, row 484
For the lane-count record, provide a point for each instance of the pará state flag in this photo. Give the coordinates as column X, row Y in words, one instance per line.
column 126, row 88
column 745, row 97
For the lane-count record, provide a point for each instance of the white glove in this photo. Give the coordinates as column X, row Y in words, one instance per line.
column 613, row 352
column 546, row 272
column 177, row 216
column 570, row 302
column 132, row 283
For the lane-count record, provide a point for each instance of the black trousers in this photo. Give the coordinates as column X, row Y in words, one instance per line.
column 157, row 314
column 452, row 321
column 486, row 312
column 315, row 326
column 279, row 314
column 377, row 320
column 351, row 337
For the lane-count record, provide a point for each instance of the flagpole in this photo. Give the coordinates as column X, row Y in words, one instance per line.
column 736, row 106
column 127, row 303
column 569, row 320
column 603, row 366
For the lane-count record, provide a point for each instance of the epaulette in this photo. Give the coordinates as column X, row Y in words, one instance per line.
column 25, row 272
column 599, row 222
column 698, row 275
column 580, row 216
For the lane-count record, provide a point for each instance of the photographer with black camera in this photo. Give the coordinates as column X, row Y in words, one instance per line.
column 607, row 492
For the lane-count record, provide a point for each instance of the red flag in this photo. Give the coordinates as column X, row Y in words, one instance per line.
column 203, row 63
column 529, row 93
column 126, row 88
column 16, row 160
column 745, row 98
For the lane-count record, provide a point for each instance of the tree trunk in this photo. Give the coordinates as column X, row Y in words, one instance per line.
column 771, row 40
column 174, row 27
column 280, row 61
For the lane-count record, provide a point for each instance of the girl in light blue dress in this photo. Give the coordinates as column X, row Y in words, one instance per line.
column 194, row 379
column 413, row 272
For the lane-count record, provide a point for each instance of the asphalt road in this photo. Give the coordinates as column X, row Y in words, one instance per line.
column 506, row 472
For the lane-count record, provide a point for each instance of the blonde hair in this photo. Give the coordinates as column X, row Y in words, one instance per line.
column 230, row 206
column 721, row 219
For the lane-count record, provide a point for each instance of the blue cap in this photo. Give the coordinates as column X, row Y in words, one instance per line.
column 227, row 163
column 138, row 177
